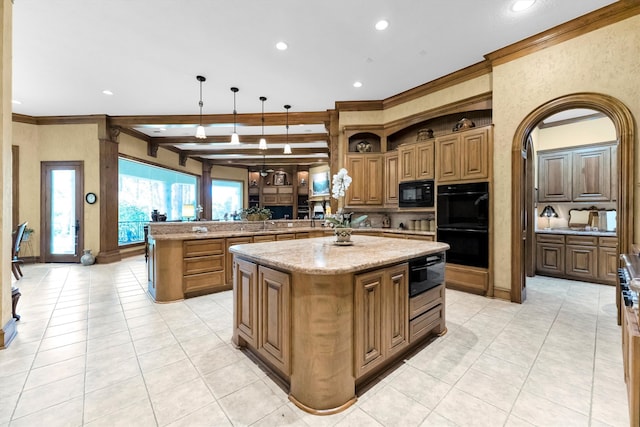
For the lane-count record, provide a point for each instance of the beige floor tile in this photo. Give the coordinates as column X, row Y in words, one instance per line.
column 7, row 405
column 59, row 354
column 436, row 420
column 62, row 340
column 357, row 417
column 559, row 391
column 38, row 398
column 109, row 400
column 229, row 379
column 177, row 402
column 214, row 359
column 420, row 386
column 65, row 414
column 55, row 372
column 106, row 341
column 543, row 412
column 611, row 409
column 390, row 407
column 201, row 344
column 499, row 392
column 210, row 415
column 467, row 410
column 111, row 374
column 110, row 356
column 514, row 421
column 154, row 342
column 162, row 357
column 170, row 376
column 53, row 331
column 262, row 403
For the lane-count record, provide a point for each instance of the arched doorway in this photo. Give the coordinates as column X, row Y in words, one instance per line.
column 625, row 131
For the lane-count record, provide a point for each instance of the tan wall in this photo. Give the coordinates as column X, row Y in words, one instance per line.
column 6, row 9
column 603, row 61
column 574, row 134
column 78, row 142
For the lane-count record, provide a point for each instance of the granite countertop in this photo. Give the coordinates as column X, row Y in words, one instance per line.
column 280, row 230
column 321, row 256
column 578, row 232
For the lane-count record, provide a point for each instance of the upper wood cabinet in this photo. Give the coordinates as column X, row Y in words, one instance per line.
column 554, row 177
column 463, row 156
column 366, row 172
column 391, row 171
column 416, row 161
column 578, row 175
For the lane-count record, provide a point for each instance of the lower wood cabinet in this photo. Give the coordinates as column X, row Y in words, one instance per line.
column 631, row 362
column 230, row 241
column 203, row 265
column 582, row 257
column 467, row 278
column 263, row 312
column 426, row 312
column 264, row 238
column 381, row 322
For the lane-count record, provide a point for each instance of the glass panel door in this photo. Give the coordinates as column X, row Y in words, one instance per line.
column 62, row 211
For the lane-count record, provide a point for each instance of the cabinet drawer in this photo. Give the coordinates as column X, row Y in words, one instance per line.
column 203, row 264
column 425, row 323
column 285, row 199
column 269, row 190
column 193, row 248
column 285, row 190
column 270, row 199
column 426, row 300
column 582, row 240
column 550, row 238
column 203, row 281
column 264, row 238
column 609, row 242
column 302, row 235
column 286, row 236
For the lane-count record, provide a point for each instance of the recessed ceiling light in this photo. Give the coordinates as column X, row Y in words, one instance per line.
column 281, row 46
column 382, row 25
column 521, row 5
column 357, row 84
column 107, row 92
column 16, row 102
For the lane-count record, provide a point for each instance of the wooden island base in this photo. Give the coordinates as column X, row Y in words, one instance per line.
column 325, row 334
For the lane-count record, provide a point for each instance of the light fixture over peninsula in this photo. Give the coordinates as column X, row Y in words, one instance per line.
column 234, row 136
column 200, row 133
column 287, row 147
column 262, row 145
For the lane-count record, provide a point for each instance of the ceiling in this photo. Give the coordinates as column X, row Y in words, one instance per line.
column 149, row 52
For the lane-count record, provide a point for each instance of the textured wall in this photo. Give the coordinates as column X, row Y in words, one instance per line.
column 604, row 61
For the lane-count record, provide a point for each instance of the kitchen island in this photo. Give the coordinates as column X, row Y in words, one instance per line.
column 326, row 318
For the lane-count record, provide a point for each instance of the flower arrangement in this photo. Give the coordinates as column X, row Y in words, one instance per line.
column 341, row 182
column 256, row 213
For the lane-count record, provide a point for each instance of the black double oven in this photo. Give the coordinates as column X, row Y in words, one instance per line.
column 463, row 222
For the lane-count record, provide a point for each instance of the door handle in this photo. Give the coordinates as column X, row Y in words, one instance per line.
column 77, row 226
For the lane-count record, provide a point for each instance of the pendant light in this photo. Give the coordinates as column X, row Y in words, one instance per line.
column 200, row 133
column 287, row 147
column 234, row 136
column 263, row 142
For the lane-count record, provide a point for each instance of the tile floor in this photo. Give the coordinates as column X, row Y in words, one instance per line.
column 93, row 349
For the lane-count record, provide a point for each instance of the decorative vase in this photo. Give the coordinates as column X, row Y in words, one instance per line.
column 87, row 258
column 343, row 234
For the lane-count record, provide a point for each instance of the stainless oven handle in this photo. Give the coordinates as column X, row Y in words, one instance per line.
column 468, row 230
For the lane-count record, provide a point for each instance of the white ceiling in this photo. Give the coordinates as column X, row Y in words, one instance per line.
column 148, row 52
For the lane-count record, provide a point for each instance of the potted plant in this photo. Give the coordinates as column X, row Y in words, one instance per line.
column 255, row 213
column 342, row 222
column 27, row 234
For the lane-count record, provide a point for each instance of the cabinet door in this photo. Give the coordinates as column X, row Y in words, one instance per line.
column 230, row 241
column 245, row 291
column 425, row 153
column 582, row 261
column 373, row 180
column 368, row 314
column 554, row 177
column 355, row 193
column 592, row 175
column 608, row 265
column 474, row 155
column 274, row 314
column 407, row 156
column 448, row 159
column 550, row 258
column 396, row 319
column 391, row 178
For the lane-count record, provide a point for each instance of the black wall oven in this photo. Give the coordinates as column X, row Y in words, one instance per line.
column 463, row 222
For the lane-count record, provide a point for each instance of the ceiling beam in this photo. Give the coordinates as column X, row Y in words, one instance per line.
column 245, row 139
column 272, row 164
column 251, row 119
column 256, row 152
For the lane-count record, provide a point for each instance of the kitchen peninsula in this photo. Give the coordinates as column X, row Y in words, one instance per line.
column 326, row 319
column 188, row 259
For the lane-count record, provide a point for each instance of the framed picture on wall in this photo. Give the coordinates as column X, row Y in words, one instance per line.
column 320, row 184
column 279, row 178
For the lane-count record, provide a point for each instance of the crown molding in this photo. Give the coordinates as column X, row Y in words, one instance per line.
column 359, row 105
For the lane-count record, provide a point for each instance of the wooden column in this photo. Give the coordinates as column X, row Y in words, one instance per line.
column 108, row 199
column 205, row 190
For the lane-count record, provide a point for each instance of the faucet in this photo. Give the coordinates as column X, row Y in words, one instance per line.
column 264, row 224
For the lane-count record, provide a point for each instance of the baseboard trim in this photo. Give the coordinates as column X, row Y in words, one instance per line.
column 8, row 333
column 502, row 294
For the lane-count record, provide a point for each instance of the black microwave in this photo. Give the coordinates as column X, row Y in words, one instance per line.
column 416, row 194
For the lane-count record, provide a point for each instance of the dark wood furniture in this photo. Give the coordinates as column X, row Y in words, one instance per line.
column 15, row 261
